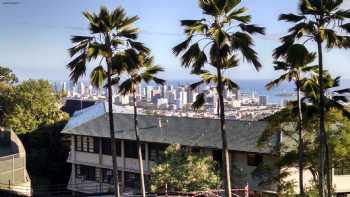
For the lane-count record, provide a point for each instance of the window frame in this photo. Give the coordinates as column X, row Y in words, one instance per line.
column 254, row 159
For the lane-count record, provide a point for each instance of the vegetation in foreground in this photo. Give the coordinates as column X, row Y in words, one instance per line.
column 182, row 170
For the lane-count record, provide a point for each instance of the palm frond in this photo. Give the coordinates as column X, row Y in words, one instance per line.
column 158, row 81
column 196, row 84
column 285, row 77
column 343, row 91
column 243, row 42
column 290, row 17
column 78, row 39
column 182, row 46
column 252, row 29
column 130, row 33
column 229, row 84
column 126, row 87
column 128, row 21
column 208, row 7
column 231, row 4
column 97, row 76
column 200, row 100
column 77, row 67
column 190, row 55
column 138, row 46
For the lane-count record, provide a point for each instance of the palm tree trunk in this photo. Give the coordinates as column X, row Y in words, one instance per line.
column 225, row 152
column 111, row 127
column 301, row 142
column 329, row 170
column 322, row 123
column 139, row 148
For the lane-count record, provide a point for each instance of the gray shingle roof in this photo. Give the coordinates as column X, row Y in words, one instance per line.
column 201, row 132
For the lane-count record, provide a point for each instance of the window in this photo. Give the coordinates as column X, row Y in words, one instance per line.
column 86, row 172
column 131, row 149
column 342, row 168
column 78, row 143
column 86, row 144
column 107, row 176
column 107, row 148
column 96, row 143
column 156, row 151
column 132, row 180
column 254, row 159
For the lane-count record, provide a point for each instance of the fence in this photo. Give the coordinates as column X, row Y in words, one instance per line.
column 12, row 170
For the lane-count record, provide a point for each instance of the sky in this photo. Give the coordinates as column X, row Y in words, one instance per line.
column 35, row 34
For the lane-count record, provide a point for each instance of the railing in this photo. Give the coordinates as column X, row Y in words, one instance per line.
column 12, row 170
column 13, row 173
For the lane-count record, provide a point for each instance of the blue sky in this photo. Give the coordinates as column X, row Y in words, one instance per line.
column 35, row 34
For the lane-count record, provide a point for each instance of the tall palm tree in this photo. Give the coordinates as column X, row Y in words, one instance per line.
column 334, row 100
column 111, row 35
column 144, row 72
column 318, row 21
column 295, row 64
column 215, row 40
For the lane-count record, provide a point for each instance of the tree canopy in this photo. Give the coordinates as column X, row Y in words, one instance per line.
column 182, row 170
column 30, row 105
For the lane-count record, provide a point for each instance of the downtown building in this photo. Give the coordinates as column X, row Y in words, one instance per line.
column 90, row 155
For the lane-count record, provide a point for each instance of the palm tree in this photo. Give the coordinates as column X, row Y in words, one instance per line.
column 318, row 21
column 144, row 72
column 112, row 38
column 214, row 40
column 334, row 100
column 295, row 64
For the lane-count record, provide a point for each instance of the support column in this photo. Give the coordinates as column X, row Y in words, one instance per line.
column 147, row 166
column 100, row 154
column 122, row 154
column 73, row 158
column 100, row 162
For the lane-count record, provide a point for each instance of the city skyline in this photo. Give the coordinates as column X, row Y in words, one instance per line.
column 35, row 45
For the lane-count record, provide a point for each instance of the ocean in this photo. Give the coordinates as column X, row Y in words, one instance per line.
column 275, row 96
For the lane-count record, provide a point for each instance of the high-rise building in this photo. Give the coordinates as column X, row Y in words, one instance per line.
column 148, row 93
column 172, row 96
column 81, row 88
column 262, row 100
column 64, row 86
column 164, row 90
column 182, row 97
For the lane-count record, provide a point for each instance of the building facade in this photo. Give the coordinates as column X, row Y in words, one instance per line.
column 91, row 159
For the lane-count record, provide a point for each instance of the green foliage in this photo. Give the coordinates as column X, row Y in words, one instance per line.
column 30, row 105
column 217, row 41
column 144, row 70
column 112, row 41
column 7, row 76
column 184, row 171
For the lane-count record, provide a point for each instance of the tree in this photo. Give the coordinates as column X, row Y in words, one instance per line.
column 181, row 170
column 7, row 79
column 319, row 21
column 144, row 72
column 30, row 105
column 336, row 119
column 295, row 64
column 226, row 31
column 7, row 76
column 111, row 40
